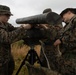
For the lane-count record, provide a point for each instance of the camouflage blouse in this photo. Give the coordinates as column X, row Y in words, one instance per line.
column 8, row 35
column 70, row 35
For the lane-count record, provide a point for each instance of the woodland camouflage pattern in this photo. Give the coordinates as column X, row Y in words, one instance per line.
column 66, row 64
column 49, row 49
column 8, row 35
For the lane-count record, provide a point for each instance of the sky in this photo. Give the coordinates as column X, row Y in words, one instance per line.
column 26, row 8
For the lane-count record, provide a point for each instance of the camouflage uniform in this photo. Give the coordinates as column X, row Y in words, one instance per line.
column 8, row 35
column 49, row 49
column 67, row 63
column 50, row 53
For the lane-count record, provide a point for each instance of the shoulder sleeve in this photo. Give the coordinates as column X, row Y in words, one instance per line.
column 70, row 35
column 12, row 36
column 74, row 22
column 11, row 27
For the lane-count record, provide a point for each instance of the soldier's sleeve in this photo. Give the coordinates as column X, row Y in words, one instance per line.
column 70, row 36
column 52, row 32
column 11, row 27
column 12, row 36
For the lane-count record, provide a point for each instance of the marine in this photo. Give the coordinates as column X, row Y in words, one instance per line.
column 8, row 35
column 67, row 39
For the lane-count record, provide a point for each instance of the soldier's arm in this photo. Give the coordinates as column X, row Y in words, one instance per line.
column 51, row 32
column 71, row 34
column 70, row 38
column 9, row 37
column 15, row 35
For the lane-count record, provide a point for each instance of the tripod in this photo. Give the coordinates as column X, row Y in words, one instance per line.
column 31, row 57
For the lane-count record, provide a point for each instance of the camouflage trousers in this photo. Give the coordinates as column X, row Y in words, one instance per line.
column 7, row 67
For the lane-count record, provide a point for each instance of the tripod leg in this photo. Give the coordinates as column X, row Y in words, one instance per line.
column 23, row 62
column 32, row 59
column 38, row 58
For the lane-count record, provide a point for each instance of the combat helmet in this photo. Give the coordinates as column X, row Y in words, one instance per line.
column 5, row 10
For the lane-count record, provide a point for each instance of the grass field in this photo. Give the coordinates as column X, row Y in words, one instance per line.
column 19, row 51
